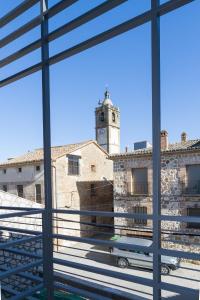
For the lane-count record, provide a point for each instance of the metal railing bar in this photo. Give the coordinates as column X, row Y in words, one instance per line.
column 19, row 214
column 183, row 219
column 106, row 35
column 28, row 292
column 89, row 251
column 98, row 280
column 26, row 275
column 34, row 23
column 78, row 291
column 16, row 34
column 101, row 271
column 21, row 208
column 24, row 253
column 94, row 241
column 172, row 5
column 20, row 269
column 180, row 254
column 8, row 289
column 20, row 9
column 19, row 230
column 101, row 290
column 83, row 19
column 20, row 241
column 102, row 214
column 176, row 288
column 133, row 228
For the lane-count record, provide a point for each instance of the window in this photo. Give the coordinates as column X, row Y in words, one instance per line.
column 140, row 182
column 93, row 219
column 38, row 193
column 193, row 179
column 19, row 170
column 193, row 212
column 73, row 165
column 140, row 210
column 101, row 117
column 4, row 171
column 93, row 168
column 113, row 117
column 37, row 168
column 5, row 188
column 20, row 191
column 92, row 190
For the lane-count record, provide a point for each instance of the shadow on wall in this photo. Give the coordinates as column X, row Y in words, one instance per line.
column 96, row 196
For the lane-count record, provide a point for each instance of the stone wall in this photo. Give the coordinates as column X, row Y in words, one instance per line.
column 174, row 199
column 10, row 259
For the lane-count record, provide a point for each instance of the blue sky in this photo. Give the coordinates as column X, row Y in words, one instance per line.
column 124, row 64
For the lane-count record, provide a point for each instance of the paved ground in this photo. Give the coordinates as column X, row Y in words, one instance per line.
column 186, row 276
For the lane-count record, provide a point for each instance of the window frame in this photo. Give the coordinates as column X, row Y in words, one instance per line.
column 192, row 225
column 73, row 165
column 146, row 183
column 19, row 193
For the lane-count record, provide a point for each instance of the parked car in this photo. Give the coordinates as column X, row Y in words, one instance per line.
column 142, row 259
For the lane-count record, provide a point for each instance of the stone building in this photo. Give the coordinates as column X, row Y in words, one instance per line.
column 81, row 177
column 180, row 189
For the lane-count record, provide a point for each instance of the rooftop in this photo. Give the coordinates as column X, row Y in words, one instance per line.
column 38, row 154
column 174, row 147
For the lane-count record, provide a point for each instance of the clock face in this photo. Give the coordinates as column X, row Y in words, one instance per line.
column 102, row 136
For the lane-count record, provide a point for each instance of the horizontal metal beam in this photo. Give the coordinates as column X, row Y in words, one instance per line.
column 5, row 245
column 186, row 291
column 94, row 241
column 20, row 208
column 20, row 214
column 35, row 22
column 102, row 214
column 180, row 254
column 102, row 290
column 184, row 219
column 20, row 9
column 97, row 270
column 19, row 230
column 83, row 19
column 19, row 269
column 24, row 253
column 106, row 35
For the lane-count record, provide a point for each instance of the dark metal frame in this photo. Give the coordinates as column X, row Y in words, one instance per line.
column 153, row 15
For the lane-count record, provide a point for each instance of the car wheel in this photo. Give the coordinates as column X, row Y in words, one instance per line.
column 165, row 270
column 122, row 262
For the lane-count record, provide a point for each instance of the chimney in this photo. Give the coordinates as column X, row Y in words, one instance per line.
column 183, row 137
column 164, row 140
column 126, row 149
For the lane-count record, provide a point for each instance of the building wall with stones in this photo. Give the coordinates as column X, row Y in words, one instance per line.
column 175, row 199
column 10, row 257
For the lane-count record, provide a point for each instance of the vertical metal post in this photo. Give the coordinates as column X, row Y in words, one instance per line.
column 156, row 128
column 47, row 217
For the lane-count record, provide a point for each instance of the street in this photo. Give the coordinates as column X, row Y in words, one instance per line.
column 187, row 275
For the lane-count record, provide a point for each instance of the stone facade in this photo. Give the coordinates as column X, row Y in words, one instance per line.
column 90, row 189
column 175, row 198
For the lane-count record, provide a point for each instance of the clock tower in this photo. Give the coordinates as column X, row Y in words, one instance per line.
column 108, row 125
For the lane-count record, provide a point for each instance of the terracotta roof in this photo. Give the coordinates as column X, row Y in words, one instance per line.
column 182, row 146
column 37, row 154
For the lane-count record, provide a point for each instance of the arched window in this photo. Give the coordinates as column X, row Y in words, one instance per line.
column 113, row 117
column 101, row 116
